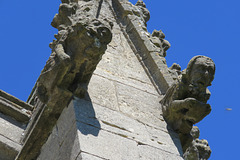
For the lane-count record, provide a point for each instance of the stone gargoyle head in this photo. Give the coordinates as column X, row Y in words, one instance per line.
column 185, row 103
column 198, row 76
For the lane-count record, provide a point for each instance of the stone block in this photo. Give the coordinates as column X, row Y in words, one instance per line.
column 8, row 148
column 85, row 113
column 121, row 64
column 102, row 91
column 120, row 124
column 13, row 110
column 70, row 147
column 167, row 141
column 11, row 128
column 63, row 143
column 134, row 23
column 16, row 100
column 50, row 149
column 85, row 156
column 65, row 122
column 133, row 82
column 147, row 152
column 60, row 134
column 140, row 35
column 106, row 145
column 140, row 105
column 110, row 145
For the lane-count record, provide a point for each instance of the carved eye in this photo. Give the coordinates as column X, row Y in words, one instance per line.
column 105, row 34
column 184, row 111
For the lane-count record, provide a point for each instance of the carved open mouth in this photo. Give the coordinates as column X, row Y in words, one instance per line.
column 190, row 122
column 201, row 81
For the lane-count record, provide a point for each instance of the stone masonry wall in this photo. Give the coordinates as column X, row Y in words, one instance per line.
column 14, row 114
column 106, row 92
column 120, row 117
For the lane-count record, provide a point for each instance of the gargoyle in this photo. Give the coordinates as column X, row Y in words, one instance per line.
column 80, row 43
column 185, row 103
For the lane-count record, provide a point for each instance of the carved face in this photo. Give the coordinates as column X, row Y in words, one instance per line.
column 202, row 72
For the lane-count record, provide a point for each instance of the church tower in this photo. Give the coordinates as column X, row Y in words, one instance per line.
column 106, row 92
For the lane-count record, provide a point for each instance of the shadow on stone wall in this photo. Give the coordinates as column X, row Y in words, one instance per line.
column 12, row 121
column 70, row 148
column 175, row 139
column 87, row 123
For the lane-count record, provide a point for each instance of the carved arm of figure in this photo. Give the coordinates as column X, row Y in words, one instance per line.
column 53, row 72
column 187, row 112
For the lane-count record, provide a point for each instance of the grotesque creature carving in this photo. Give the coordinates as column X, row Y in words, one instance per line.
column 185, row 102
column 145, row 13
column 80, row 43
column 198, row 149
column 158, row 39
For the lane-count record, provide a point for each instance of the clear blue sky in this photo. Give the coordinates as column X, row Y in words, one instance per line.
column 210, row 28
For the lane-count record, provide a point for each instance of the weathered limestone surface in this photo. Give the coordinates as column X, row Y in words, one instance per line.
column 11, row 128
column 98, row 94
column 119, row 117
column 63, row 138
column 88, row 130
column 151, row 54
column 125, row 126
column 80, row 43
column 14, row 107
column 86, row 156
column 130, row 71
column 13, row 118
column 8, row 148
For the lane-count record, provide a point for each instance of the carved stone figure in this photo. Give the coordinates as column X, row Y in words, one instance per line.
column 79, row 45
column 185, row 102
column 81, row 41
column 198, row 149
column 158, row 39
column 145, row 13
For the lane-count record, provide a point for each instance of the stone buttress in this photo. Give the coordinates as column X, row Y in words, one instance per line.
column 98, row 96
